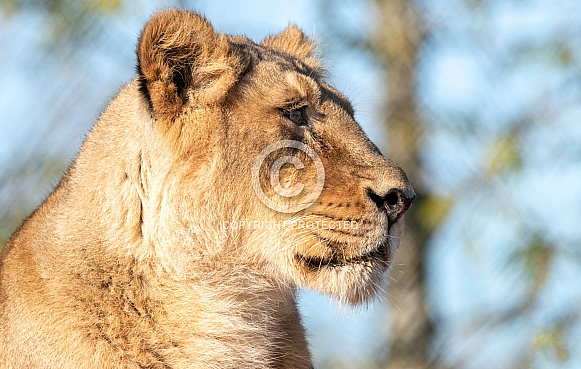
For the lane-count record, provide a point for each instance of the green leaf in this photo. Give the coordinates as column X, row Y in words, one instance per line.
column 536, row 258
column 551, row 343
column 503, row 156
column 434, row 210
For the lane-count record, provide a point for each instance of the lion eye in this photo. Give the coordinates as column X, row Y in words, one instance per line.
column 297, row 116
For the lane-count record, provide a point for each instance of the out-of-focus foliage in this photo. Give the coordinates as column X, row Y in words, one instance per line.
column 434, row 210
column 56, row 70
column 503, row 156
column 69, row 21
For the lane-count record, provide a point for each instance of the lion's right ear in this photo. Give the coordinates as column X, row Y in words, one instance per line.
column 182, row 61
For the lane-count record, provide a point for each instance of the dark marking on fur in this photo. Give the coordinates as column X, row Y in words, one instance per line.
column 143, row 90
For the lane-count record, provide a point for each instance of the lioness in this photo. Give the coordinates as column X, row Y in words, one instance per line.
column 154, row 249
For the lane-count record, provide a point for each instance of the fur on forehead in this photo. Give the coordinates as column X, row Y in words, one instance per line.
column 280, row 88
column 297, row 88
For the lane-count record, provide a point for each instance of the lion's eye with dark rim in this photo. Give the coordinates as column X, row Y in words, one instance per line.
column 297, row 116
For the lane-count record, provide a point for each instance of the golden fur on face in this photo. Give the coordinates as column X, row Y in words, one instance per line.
column 155, row 250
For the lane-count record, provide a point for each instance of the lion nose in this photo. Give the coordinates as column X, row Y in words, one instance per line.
column 395, row 202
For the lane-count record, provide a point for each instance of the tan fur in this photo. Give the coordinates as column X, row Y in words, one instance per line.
column 128, row 263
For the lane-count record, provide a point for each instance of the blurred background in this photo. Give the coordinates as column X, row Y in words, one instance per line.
column 478, row 100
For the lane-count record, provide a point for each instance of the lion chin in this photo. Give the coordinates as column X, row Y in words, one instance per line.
column 348, row 268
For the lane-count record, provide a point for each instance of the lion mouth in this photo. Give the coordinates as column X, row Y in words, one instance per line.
column 370, row 246
column 380, row 255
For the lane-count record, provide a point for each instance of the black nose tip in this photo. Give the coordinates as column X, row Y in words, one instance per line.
column 395, row 202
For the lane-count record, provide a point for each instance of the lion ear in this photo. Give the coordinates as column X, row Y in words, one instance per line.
column 181, row 60
column 294, row 42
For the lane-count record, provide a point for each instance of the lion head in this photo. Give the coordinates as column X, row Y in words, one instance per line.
column 264, row 161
